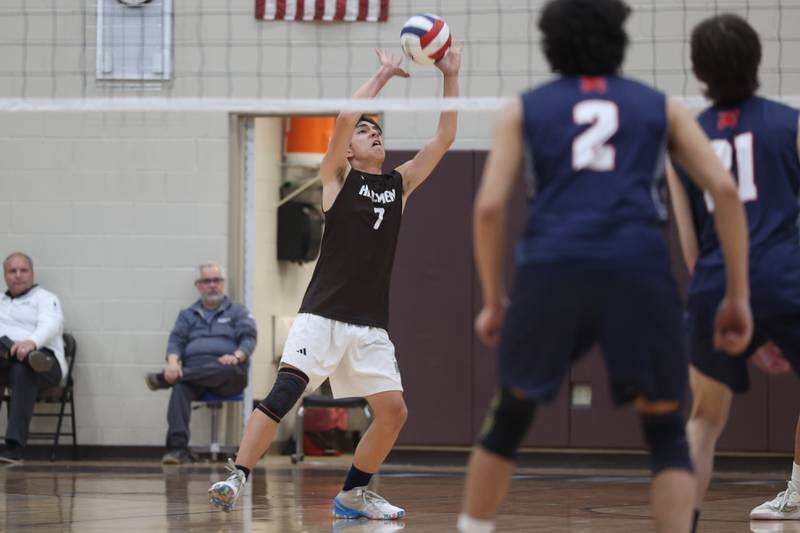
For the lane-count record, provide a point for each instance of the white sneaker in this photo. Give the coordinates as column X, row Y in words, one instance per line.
column 785, row 506
column 224, row 494
column 359, row 502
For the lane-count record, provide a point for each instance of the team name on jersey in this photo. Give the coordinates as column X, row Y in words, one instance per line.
column 386, row 197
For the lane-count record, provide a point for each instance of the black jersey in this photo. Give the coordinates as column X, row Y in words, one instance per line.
column 351, row 280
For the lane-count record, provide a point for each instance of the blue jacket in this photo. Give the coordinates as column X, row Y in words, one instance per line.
column 231, row 328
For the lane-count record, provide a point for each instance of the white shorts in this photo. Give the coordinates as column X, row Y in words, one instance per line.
column 358, row 360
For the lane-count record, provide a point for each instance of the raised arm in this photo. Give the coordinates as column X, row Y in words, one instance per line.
column 334, row 164
column 683, row 218
column 499, row 175
column 417, row 170
column 690, row 147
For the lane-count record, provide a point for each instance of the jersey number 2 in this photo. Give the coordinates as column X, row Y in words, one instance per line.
column 589, row 149
column 745, row 170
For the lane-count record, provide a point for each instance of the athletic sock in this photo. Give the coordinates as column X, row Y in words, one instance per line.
column 244, row 469
column 467, row 524
column 356, row 478
column 795, row 481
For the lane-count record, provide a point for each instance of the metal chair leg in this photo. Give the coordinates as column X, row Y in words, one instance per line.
column 58, row 428
column 215, row 447
column 74, row 432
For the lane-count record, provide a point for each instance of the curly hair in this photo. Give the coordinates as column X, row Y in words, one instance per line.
column 584, row 37
column 726, row 53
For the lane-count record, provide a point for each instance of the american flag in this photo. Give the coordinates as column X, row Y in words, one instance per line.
column 325, row 10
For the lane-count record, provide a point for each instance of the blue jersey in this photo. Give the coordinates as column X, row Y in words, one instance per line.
column 595, row 149
column 757, row 140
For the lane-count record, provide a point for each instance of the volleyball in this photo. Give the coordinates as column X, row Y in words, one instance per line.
column 425, row 38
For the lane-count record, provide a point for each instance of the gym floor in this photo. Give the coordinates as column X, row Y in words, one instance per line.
column 551, row 493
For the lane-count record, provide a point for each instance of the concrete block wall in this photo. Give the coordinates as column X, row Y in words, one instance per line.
column 116, row 211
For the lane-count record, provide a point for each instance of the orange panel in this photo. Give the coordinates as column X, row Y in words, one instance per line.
column 309, row 135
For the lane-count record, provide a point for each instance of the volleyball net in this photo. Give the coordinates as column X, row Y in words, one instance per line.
column 222, row 55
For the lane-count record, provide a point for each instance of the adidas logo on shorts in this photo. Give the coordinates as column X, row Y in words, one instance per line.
column 302, row 351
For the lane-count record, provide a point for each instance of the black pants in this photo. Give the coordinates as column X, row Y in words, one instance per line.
column 215, row 377
column 25, row 385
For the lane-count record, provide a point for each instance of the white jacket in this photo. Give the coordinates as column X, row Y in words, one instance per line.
column 35, row 316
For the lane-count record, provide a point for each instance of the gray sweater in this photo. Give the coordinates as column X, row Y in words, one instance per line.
column 230, row 328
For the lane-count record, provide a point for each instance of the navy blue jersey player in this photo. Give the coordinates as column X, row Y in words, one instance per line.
column 757, row 139
column 592, row 265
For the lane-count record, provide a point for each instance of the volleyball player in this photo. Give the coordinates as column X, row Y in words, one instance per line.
column 758, row 140
column 592, row 264
column 340, row 332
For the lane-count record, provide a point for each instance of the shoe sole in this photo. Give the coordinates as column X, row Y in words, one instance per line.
column 221, row 498
column 10, row 461
column 40, row 362
column 342, row 511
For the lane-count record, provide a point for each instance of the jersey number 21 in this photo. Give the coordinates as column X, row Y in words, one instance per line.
column 745, row 170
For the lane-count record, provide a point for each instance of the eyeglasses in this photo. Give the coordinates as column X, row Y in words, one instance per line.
column 209, row 281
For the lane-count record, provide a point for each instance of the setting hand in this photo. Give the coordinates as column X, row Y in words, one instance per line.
column 391, row 64
column 451, row 62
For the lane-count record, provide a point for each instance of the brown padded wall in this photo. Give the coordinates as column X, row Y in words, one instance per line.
column 449, row 376
column 551, row 427
column 431, row 303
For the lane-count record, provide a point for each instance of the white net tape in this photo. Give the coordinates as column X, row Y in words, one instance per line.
column 308, row 106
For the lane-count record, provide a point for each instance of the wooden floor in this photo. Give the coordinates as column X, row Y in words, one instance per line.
column 137, row 496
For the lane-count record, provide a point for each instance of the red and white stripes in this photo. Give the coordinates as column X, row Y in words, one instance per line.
column 323, row 10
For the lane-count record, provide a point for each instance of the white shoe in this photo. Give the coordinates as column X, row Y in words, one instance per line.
column 359, row 502
column 785, row 506
column 224, row 494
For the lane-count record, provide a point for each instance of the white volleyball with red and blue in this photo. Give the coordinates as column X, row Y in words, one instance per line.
column 425, row 38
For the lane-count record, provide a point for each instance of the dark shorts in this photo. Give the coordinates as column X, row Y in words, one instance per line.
column 556, row 314
column 783, row 330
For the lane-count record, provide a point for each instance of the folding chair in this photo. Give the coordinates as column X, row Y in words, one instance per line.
column 314, row 400
column 63, row 397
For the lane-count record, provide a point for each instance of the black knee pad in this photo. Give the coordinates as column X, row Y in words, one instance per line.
column 666, row 437
column 506, row 424
column 288, row 387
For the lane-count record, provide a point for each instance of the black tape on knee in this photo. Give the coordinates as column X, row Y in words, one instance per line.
column 506, row 424
column 288, row 387
column 666, row 438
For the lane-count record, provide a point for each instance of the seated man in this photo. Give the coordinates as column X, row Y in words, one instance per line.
column 31, row 348
column 208, row 350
